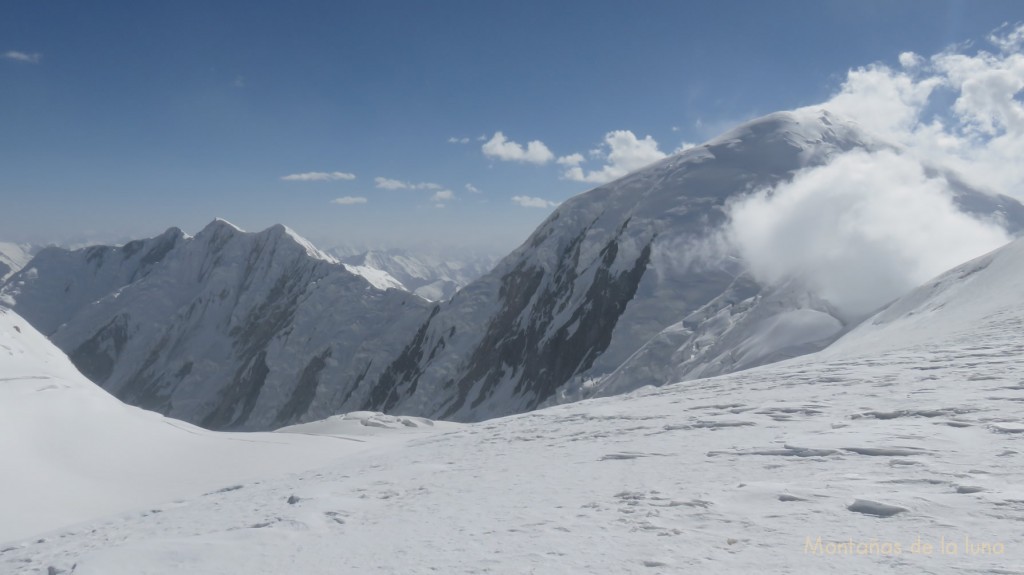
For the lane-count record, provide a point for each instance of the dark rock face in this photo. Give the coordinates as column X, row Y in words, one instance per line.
column 547, row 363
column 305, row 390
column 236, row 402
column 95, row 358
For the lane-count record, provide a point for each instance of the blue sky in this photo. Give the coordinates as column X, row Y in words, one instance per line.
column 120, row 119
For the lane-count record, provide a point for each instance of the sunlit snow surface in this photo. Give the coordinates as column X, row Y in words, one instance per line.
column 907, row 433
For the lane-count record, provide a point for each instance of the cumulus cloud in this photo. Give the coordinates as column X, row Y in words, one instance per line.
column 443, row 196
column 390, row 184
column 318, row 177
column 859, row 231
column 622, row 153
column 910, row 60
column 981, row 135
column 500, row 147
column 28, row 58
column 532, row 202
column 349, row 200
column 571, row 160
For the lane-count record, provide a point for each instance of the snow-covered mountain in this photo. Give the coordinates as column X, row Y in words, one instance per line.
column 13, row 257
column 627, row 285
column 226, row 330
column 433, row 275
column 896, row 448
column 623, row 286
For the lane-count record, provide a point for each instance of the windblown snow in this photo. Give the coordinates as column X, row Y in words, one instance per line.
column 897, row 448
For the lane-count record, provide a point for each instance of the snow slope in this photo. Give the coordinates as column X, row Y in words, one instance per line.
column 623, row 286
column 226, row 329
column 901, row 457
column 962, row 300
column 378, row 278
column 72, row 452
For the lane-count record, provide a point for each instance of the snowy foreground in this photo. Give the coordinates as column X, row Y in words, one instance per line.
column 900, row 448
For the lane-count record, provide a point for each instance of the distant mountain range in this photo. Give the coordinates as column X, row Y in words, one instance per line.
column 434, row 275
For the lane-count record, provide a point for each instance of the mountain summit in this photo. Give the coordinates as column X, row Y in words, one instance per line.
column 623, row 286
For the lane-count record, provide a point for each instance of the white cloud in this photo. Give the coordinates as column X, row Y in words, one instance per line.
column 531, row 202
column 319, row 177
column 349, row 200
column 500, row 147
column 571, row 160
column 622, row 153
column 859, row 231
column 910, row 60
column 33, row 58
column 390, row 184
column 472, row 189
column 454, row 140
column 981, row 135
column 443, row 196
column 1008, row 39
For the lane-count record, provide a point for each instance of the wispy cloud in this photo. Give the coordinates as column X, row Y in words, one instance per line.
column 500, row 147
column 532, row 202
column 349, row 200
column 443, row 196
column 28, row 58
column 390, row 184
column 318, row 177
column 472, row 189
column 455, row 140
